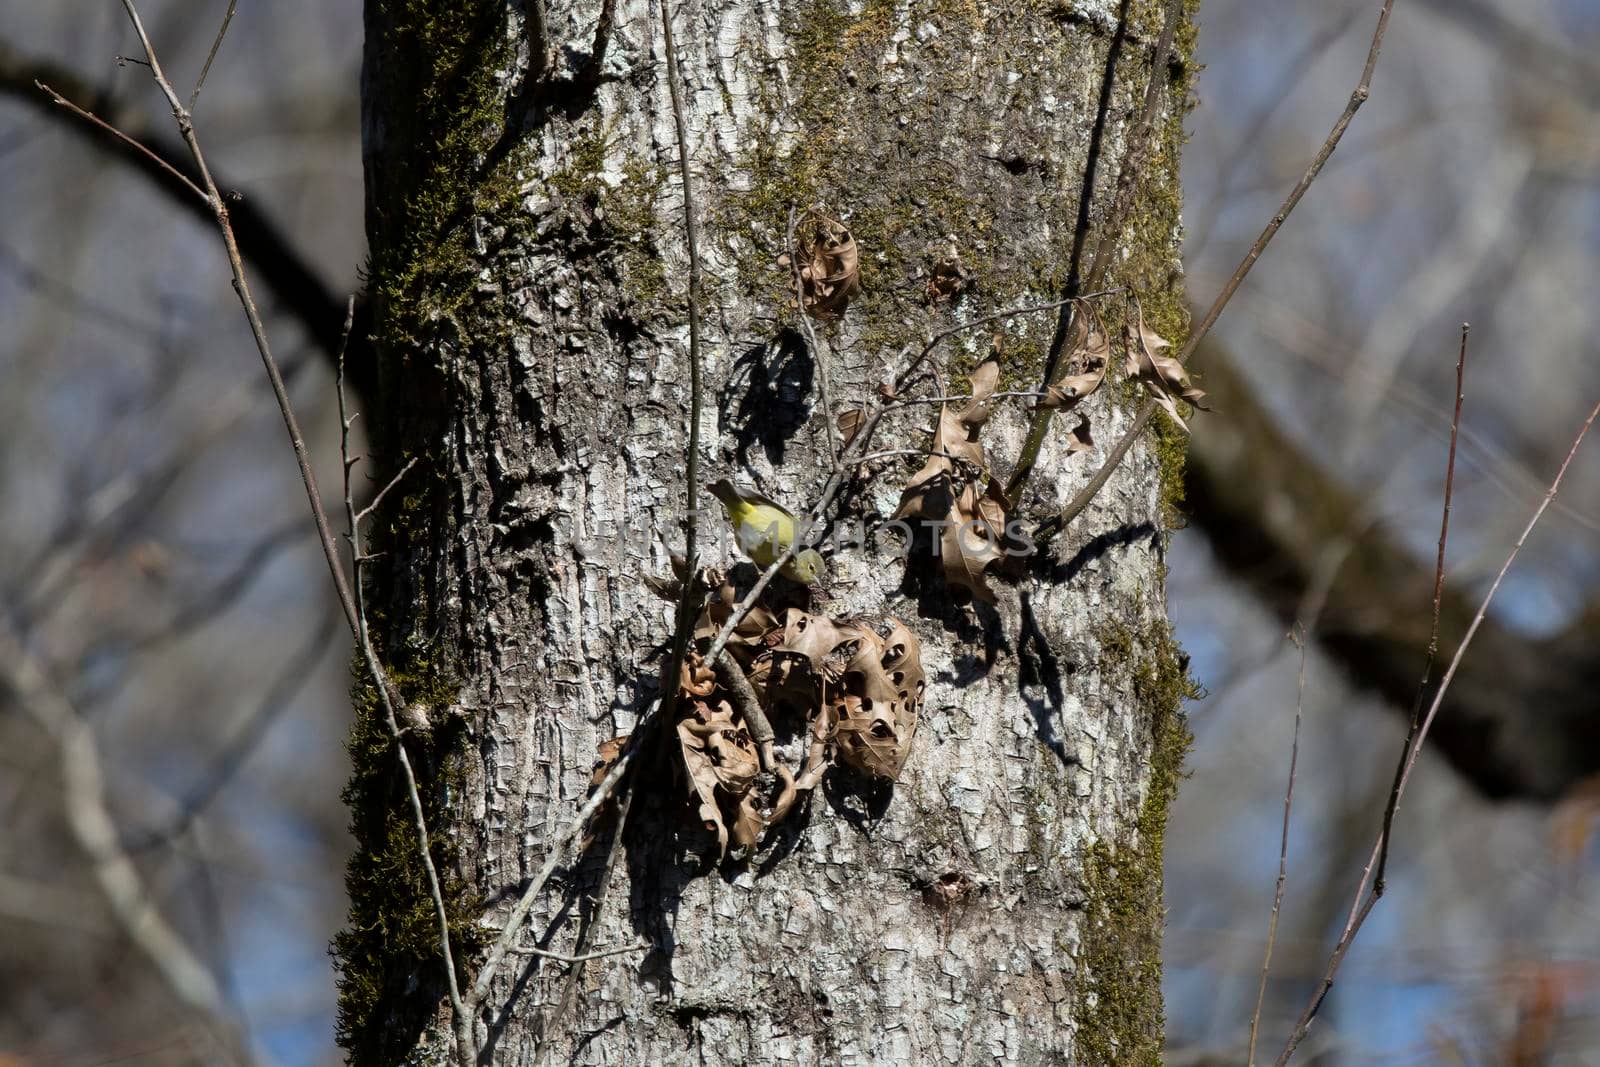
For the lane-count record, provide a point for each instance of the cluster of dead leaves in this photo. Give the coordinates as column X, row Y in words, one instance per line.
column 970, row 525
column 1089, row 354
column 858, row 687
column 827, row 264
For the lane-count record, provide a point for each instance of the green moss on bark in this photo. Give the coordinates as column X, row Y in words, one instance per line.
column 1120, row 1018
column 430, row 171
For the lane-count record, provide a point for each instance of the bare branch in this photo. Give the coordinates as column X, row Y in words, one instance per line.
column 733, row 680
column 91, row 117
column 377, row 500
column 582, row 957
column 241, row 286
column 222, row 31
column 387, row 694
column 1198, row 333
column 1365, row 900
column 1283, row 851
column 1433, row 629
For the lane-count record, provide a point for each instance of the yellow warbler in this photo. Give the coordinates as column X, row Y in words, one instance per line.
column 765, row 529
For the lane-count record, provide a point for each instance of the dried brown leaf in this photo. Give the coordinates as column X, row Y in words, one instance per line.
column 977, row 411
column 968, row 543
column 1074, row 387
column 1164, row 378
column 696, row 677
column 1090, row 354
column 878, row 701
column 720, row 760
column 850, row 424
column 830, row 266
column 928, row 494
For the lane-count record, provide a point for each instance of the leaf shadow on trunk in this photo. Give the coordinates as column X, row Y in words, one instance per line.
column 764, row 401
column 858, row 799
column 1050, row 571
column 662, row 861
column 1039, row 667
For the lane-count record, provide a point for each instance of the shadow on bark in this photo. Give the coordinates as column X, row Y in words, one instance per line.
column 1040, row 668
column 763, row 402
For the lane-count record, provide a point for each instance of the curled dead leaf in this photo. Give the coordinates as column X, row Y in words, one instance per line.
column 861, row 689
column 720, row 759
column 1164, row 378
column 882, row 689
column 829, row 265
column 696, row 677
column 977, row 410
column 850, row 424
column 972, row 539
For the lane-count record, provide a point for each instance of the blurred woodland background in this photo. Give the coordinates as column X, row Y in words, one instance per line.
column 159, row 574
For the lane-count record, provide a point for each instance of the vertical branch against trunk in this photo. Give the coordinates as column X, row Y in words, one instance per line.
column 691, row 233
column 1357, row 97
column 1133, row 165
column 388, row 696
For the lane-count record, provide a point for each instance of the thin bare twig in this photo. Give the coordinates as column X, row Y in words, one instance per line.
column 96, row 120
column 1283, row 851
column 466, row 1052
column 581, row 957
column 1365, row 901
column 1433, row 630
column 258, row 330
column 1198, row 333
column 378, row 499
column 918, row 453
column 222, row 31
column 1022, row 394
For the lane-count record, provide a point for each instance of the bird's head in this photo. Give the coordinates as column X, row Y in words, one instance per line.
column 808, row 567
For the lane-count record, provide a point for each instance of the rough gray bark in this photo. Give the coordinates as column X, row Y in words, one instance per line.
column 529, row 325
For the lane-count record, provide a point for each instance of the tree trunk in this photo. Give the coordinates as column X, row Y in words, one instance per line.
column 1002, row 901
